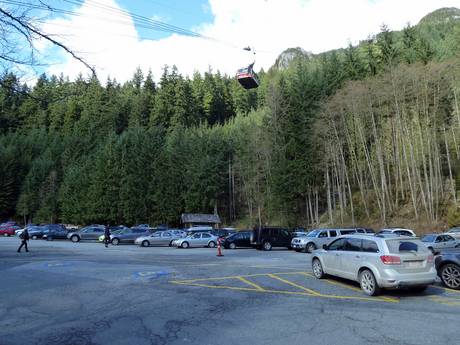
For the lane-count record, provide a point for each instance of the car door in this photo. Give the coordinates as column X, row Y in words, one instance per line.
column 284, row 238
column 205, row 238
column 323, row 238
column 351, row 258
column 155, row 238
column 439, row 243
column 196, row 240
column 165, row 238
column 449, row 241
column 332, row 257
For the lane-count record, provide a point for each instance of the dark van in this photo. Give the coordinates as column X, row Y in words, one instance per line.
column 267, row 237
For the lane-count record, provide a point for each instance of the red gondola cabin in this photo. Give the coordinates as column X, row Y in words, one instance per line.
column 247, row 77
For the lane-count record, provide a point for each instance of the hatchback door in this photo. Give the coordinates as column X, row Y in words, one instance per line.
column 414, row 255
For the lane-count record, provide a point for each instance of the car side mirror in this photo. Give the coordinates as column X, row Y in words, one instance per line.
column 325, row 246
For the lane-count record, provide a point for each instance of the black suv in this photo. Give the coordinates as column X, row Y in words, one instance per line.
column 267, row 237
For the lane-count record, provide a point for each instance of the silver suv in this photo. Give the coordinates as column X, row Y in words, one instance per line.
column 377, row 262
column 317, row 238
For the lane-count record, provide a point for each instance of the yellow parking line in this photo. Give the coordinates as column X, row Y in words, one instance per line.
column 284, row 292
column 445, row 300
column 294, row 284
column 393, row 299
column 235, row 277
column 244, row 280
column 445, row 288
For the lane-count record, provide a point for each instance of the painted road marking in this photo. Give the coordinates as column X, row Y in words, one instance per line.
column 256, row 286
column 151, row 274
column 283, row 292
column 206, row 282
column 274, row 276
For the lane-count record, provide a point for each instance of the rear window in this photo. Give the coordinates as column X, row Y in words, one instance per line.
column 396, row 246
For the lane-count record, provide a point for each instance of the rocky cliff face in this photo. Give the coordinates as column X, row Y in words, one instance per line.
column 289, row 55
column 442, row 15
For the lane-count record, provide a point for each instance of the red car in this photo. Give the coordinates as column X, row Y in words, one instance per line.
column 8, row 230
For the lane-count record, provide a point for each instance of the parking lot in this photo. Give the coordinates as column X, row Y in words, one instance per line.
column 82, row 293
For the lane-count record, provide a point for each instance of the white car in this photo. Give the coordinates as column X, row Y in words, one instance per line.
column 377, row 262
column 198, row 239
column 397, row 232
column 454, row 232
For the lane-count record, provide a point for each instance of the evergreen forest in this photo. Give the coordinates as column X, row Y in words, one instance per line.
column 368, row 134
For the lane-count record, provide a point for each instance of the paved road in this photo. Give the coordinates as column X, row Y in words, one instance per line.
column 63, row 293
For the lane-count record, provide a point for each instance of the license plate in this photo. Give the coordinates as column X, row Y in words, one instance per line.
column 414, row 264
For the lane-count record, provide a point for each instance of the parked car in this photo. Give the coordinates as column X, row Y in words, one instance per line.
column 222, row 233
column 239, row 239
column 54, row 232
column 9, row 223
column 36, row 232
column 159, row 238
column 194, row 229
column 268, row 237
column 198, row 239
column 397, row 232
column 86, row 233
column 8, row 230
column 113, row 230
column 454, row 232
column 377, row 262
column 448, row 268
column 438, row 242
column 129, row 235
column 317, row 238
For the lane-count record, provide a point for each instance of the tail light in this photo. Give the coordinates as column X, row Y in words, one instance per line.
column 430, row 258
column 390, row 260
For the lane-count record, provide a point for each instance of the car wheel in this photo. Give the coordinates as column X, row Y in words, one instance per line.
column 75, row 238
column 115, row 241
column 211, row 244
column 34, row 237
column 450, row 276
column 310, row 247
column 171, row 243
column 267, row 246
column 368, row 283
column 317, row 269
column 185, row 245
column 232, row 245
column 297, row 250
column 145, row 243
column 5, row 234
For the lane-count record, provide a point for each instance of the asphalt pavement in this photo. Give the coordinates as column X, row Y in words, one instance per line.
column 63, row 293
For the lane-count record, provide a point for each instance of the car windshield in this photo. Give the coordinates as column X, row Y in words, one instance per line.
column 313, row 233
column 428, row 238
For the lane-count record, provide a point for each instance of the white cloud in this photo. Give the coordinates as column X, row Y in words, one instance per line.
column 112, row 44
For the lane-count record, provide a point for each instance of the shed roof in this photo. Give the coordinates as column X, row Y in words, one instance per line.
column 200, row 218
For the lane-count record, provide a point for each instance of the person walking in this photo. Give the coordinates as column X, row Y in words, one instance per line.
column 24, row 239
column 107, row 236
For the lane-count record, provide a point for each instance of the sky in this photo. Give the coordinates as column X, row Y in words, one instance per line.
column 105, row 34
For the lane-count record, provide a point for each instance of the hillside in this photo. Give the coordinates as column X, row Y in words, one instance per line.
column 367, row 134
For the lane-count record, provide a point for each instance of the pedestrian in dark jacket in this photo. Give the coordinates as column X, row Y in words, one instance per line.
column 106, row 236
column 24, row 238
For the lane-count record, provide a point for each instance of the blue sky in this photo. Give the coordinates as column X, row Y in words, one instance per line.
column 186, row 14
column 117, row 45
